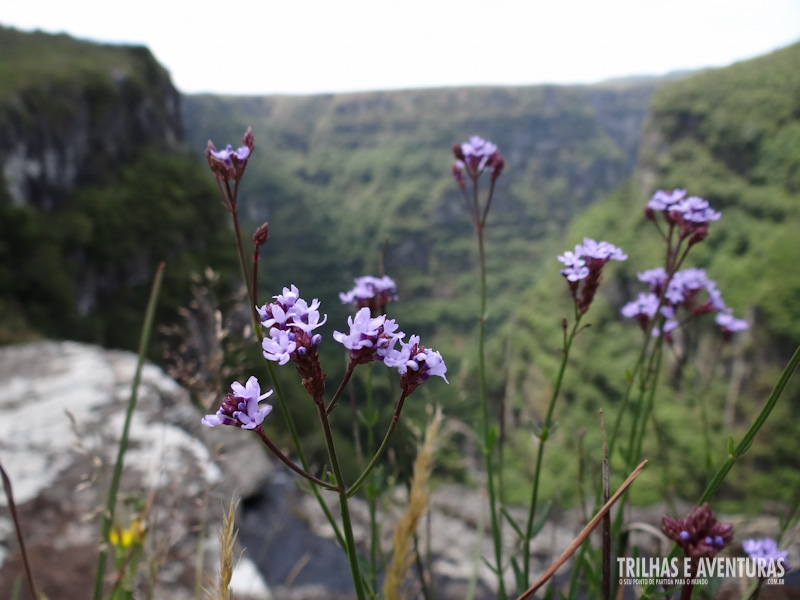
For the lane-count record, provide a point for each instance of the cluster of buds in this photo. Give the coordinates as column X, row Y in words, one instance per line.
column 689, row 291
column 585, row 265
column 372, row 292
column 476, row 155
column 699, row 534
column 291, row 322
column 691, row 214
column 228, row 165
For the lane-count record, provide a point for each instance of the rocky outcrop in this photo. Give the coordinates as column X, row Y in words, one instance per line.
column 62, row 407
column 60, row 131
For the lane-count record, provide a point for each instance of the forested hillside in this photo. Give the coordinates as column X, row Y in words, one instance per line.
column 95, row 189
column 731, row 136
column 338, row 176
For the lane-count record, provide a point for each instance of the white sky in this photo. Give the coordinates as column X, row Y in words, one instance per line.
column 313, row 46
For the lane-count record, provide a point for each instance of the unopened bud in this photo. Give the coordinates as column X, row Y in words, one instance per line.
column 698, row 235
column 261, row 235
column 497, row 164
column 458, row 173
column 248, row 139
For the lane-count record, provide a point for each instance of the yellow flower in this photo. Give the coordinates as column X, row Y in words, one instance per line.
column 127, row 537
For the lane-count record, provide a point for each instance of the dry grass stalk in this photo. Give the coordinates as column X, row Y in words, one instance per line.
column 227, row 540
column 403, row 555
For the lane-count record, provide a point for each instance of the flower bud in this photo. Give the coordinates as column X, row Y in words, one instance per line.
column 261, row 236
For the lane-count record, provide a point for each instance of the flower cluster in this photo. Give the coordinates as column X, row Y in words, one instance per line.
column 374, row 339
column 689, row 290
column 240, row 407
column 585, row 264
column 691, row 214
column 764, row 551
column 476, row 155
column 291, row 322
column 415, row 363
column 369, row 291
column 700, row 535
column 229, row 164
column 369, row 339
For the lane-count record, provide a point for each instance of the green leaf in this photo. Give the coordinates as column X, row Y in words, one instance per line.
column 512, row 522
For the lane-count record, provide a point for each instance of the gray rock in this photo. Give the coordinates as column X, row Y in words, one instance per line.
column 62, row 408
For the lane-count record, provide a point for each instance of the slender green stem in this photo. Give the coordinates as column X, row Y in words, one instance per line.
column 108, row 514
column 372, row 500
column 350, row 543
column 392, row 426
column 332, row 404
column 487, row 430
column 623, row 409
column 259, row 431
column 543, row 437
column 648, row 407
column 284, row 406
column 256, row 322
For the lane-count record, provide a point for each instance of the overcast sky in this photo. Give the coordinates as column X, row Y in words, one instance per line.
column 314, row 46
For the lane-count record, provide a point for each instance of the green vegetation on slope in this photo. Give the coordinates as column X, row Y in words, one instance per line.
column 367, row 167
column 96, row 191
column 84, row 272
column 731, row 136
column 41, row 61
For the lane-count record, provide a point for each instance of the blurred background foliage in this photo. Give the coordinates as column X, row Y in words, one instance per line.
column 340, row 177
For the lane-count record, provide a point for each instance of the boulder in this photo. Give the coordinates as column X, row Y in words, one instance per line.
column 62, row 409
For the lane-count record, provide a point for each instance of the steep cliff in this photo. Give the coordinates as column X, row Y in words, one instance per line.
column 72, row 112
column 95, row 189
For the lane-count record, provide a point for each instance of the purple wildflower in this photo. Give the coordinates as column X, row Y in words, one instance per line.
column 699, row 534
column 685, row 287
column 372, row 292
column 664, row 201
column 691, row 215
column 642, row 309
column 730, row 324
column 476, row 155
column 477, row 152
column 291, row 312
column 240, row 407
column 369, row 339
column 765, row 551
column 669, row 326
column 280, row 346
column 241, row 153
column 292, row 321
column 415, row 363
column 229, row 164
column 585, row 264
column 655, row 278
column 696, row 210
column 599, row 251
